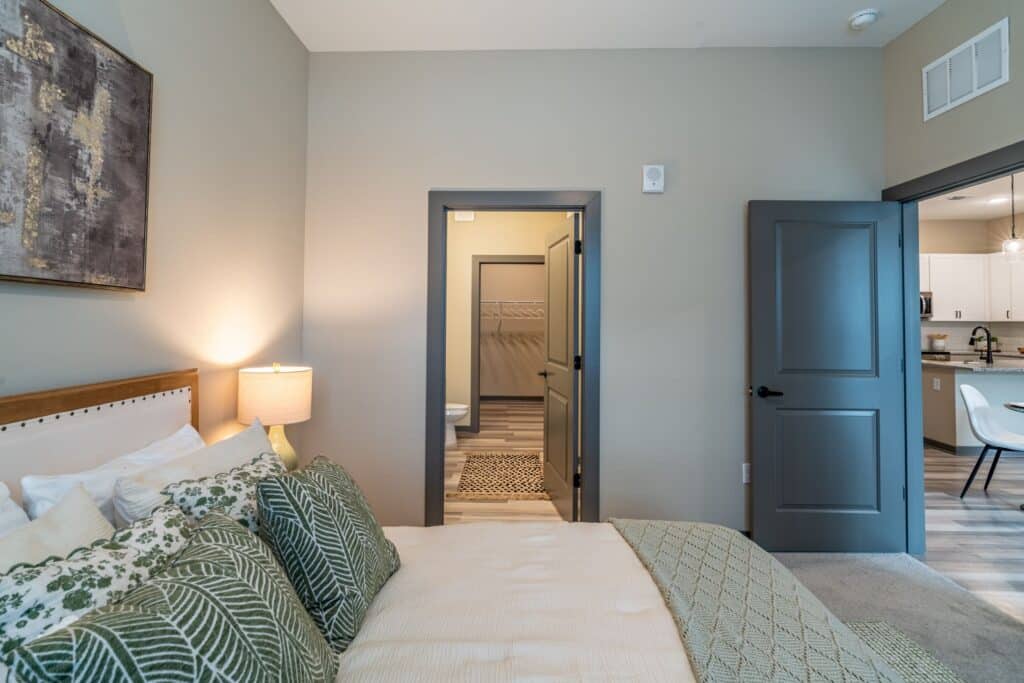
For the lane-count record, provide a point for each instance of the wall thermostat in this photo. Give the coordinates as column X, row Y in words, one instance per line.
column 654, row 178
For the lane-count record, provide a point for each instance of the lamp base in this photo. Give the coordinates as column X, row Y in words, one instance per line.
column 282, row 447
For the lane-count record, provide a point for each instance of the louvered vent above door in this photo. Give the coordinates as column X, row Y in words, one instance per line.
column 970, row 70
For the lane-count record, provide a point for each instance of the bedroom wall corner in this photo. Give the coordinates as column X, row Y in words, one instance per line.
column 226, row 213
column 386, row 128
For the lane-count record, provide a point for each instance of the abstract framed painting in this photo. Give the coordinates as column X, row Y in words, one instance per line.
column 75, row 117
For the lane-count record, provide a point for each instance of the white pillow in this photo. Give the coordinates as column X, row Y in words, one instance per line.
column 40, row 493
column 72, row 523
column 11, row 514
column 136, row 496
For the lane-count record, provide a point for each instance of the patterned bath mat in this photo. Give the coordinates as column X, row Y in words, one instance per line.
column 501, row 476
column 909, row 659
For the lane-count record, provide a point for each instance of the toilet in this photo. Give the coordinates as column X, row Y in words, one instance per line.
column 453, row 412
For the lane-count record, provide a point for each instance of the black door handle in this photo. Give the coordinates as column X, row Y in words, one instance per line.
column 765, row 392
column 542, row 373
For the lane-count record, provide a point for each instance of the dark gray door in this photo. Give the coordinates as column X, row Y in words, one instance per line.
column 560, row 382
column 826, row 341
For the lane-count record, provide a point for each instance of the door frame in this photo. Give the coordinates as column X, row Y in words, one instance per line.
column 1000, row 162
column 588, row 203
column 474, row 373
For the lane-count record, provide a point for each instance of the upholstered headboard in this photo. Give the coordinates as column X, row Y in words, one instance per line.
column 80, row 427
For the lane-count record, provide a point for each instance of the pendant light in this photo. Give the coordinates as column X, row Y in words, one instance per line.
column 1014, row 245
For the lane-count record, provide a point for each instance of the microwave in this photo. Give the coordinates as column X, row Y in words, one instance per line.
column 926, row 305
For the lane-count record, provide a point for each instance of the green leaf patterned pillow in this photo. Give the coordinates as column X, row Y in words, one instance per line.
column 232, row 492
column 222, row 611
column 35, row 599
column 321, row 528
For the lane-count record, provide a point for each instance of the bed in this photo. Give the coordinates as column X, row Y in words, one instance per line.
column 628, row 600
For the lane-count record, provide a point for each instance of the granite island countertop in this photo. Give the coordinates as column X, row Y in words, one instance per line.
column 1000, row 365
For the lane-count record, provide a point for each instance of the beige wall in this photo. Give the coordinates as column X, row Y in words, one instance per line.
column 966, row 236
column 512, row 347
column 730, row 125
column 999, row 230
column 224, row 258
column 915, row 147
column 958, row 237
column 938, row 400
column 492, row 233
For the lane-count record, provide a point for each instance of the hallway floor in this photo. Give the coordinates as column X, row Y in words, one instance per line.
column 504, row 426
column 978, row 541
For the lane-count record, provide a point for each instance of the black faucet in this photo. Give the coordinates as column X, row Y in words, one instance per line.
column 988, row 338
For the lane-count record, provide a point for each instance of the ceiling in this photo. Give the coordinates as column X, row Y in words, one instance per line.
column 982, row 202
column 401, row 25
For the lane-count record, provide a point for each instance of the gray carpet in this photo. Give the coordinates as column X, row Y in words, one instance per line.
column 973, row 639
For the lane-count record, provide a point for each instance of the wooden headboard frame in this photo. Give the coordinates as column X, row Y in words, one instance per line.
column 42, row 403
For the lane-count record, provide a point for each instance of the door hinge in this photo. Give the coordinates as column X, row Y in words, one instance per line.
column 901, row 240
column 579, row 246
column 576, row 480
column 577, row 363
column 903, row 364
column 904, row 493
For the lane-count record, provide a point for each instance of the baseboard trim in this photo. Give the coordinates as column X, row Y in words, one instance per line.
column 954, row 450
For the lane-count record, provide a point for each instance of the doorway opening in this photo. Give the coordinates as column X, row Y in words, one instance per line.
column 513, row 357
column 936, row 478
column 971, row 273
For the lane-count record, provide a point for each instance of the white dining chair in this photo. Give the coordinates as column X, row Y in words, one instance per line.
column 988, row 431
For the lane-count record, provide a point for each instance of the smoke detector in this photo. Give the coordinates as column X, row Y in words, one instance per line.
column 861, row 19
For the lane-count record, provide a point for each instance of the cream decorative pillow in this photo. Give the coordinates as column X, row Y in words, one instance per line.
column 137, row 496
column 42, row 492
column 232, row 493
column 74, row 522
column 36, row 599
column 11, row 514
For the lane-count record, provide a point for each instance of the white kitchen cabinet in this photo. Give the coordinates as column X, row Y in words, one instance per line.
column 1016, row 268
column 925, row 273
column 1000, row 289
column 960, row 287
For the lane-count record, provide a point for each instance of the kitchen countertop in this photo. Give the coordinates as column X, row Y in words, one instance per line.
column 1001, row 365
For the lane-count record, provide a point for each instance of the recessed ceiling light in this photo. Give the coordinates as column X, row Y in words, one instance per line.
column 861, row 19
column 999, row 200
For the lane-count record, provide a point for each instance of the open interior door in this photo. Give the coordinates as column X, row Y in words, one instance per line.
column 828, row 415
column 560, row 373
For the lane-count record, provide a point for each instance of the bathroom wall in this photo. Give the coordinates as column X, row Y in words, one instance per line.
column 512, row 349
column 520, row 233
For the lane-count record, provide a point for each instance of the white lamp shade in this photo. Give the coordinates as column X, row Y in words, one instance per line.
column 275, row 395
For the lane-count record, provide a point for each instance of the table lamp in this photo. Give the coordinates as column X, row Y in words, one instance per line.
column 277, row 396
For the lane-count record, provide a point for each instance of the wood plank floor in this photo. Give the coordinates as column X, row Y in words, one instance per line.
column 978, row 541
column 504, row 426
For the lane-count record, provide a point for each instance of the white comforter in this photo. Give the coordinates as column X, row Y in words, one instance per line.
column 516, row 602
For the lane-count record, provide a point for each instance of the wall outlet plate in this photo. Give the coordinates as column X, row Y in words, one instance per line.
column 654, row 179
column 936, row 384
